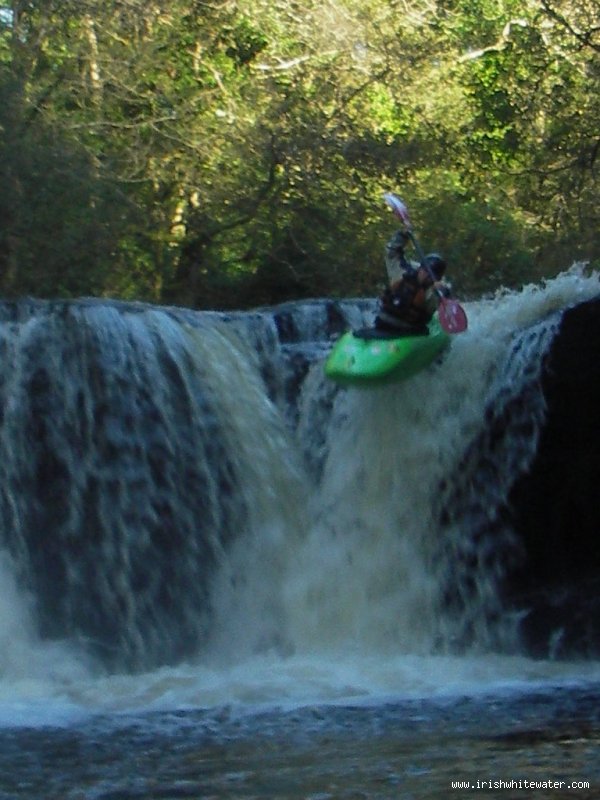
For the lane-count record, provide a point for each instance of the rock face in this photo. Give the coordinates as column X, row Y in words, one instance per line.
column 556, row 505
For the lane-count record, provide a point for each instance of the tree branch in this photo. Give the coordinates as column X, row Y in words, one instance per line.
column 499, row 45
column 584, row 37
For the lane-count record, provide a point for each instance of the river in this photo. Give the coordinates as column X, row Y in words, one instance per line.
column 221, row 577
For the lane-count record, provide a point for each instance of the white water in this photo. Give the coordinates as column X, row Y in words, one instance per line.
column 330, row 595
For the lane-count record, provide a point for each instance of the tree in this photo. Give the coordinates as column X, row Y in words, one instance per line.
column 219, row 154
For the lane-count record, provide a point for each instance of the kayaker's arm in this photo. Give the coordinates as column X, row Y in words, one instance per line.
column 395, row 259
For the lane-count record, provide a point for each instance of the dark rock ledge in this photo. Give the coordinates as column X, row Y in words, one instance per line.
column 556, row 504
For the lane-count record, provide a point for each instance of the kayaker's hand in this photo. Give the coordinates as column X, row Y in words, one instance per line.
column 398, row 242
column 443, row 289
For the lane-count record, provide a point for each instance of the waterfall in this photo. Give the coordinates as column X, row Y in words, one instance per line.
column 126, row 471
column 177, row 484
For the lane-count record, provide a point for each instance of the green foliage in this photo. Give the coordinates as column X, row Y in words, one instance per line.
column 229, row 155
column 60, row 219
column 482, row 237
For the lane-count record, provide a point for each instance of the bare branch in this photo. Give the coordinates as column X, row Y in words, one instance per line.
column 283, row 65
column 498, row 46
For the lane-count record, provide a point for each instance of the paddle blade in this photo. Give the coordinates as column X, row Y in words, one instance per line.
column 452, row 316
column 398, row 207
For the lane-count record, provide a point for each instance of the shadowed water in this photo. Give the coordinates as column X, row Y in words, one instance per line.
column 543, row 744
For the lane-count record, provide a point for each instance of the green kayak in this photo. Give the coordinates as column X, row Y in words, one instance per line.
column 371, row 358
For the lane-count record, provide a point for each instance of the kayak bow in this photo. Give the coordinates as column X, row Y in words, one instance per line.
column 371, row 358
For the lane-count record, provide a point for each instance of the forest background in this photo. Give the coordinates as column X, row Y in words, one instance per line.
column 234, row 153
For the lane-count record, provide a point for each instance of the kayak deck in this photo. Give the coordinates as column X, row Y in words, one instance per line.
column 373, row 358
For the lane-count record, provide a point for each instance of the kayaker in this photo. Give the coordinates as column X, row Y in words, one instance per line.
column 413, row 295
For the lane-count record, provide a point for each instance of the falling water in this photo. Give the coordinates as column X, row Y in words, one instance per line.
column 191, row 514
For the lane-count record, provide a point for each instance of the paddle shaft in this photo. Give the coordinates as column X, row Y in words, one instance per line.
column 422, row 259
column 401, row 211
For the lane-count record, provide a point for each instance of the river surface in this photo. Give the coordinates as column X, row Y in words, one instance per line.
column 504, row 738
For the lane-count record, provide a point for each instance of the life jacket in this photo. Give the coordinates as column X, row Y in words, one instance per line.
column 406, row 299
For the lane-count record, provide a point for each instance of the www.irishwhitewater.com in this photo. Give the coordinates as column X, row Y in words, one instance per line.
column 521, row 783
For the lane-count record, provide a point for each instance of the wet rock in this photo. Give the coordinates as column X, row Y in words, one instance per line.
column 555, row 505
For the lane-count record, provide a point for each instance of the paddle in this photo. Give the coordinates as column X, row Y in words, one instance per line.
column 451, row 314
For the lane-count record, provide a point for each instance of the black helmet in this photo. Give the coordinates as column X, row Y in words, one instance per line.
column 437, row 265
